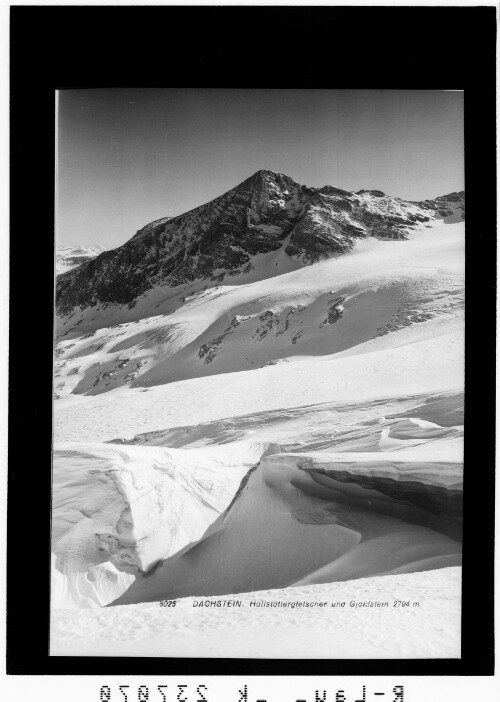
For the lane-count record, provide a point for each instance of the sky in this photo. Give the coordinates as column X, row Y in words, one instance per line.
column 128, row 156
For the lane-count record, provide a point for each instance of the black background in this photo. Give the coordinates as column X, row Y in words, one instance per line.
column 239, row 47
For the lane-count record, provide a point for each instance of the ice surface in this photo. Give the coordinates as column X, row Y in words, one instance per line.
column 118, row 510
column 298, row 513
column 298, row 432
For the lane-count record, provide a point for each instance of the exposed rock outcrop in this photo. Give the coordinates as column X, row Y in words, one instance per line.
column 266, row 212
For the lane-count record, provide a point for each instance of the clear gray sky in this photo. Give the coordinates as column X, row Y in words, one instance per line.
column 127, row 157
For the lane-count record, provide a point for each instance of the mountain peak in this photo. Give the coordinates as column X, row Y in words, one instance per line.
column 264, row 177
column 265, row 173
column 267, row 212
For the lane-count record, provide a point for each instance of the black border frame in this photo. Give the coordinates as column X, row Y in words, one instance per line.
column 274, row 47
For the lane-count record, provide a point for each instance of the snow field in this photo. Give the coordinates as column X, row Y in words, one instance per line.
column 336, row 462
column 429, row 630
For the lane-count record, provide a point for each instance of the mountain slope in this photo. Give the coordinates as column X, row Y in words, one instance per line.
column 334, row 306
column 266, row 213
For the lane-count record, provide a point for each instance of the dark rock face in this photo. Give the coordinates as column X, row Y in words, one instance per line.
column 266, row 212
column 447, row 206
column 335, row 312
column 376, row 193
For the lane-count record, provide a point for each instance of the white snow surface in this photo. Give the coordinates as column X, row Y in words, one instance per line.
column 170, row 336
column 263, row 434
column 119, row 509
column 69, row 257
column 430, row 630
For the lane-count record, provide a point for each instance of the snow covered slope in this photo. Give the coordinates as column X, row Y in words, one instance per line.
column 277, row 623
column 333, row 306
column 279, row 410
column 118, row 511
column 69, row 257
column 308, row 518
column 267, row 213
column 129, row 519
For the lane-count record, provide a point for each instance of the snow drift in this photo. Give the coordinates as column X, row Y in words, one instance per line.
column 136, row 523
column 322, row 518
column 118, row 511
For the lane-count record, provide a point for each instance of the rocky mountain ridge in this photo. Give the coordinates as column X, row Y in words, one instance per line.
column 267, row 212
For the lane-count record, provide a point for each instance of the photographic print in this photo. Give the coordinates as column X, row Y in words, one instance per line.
column 258, row 374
